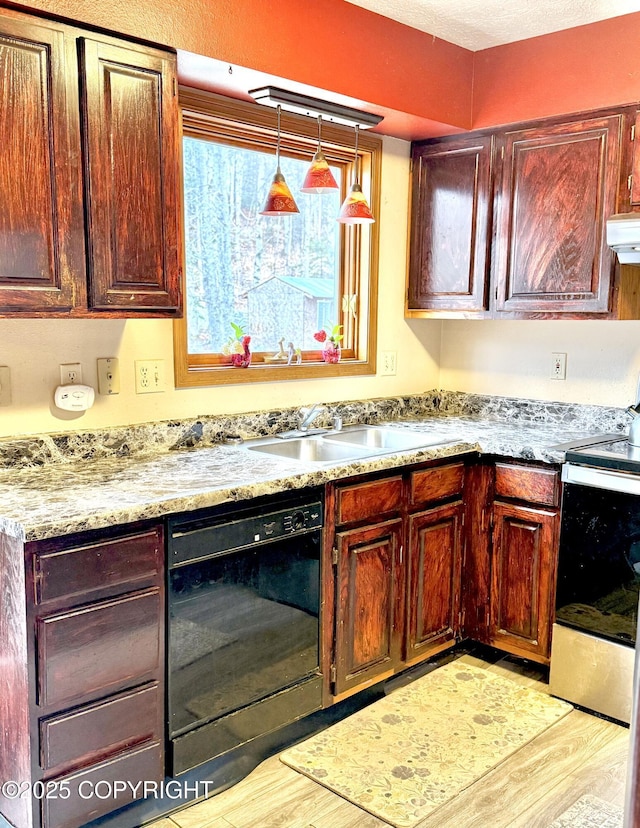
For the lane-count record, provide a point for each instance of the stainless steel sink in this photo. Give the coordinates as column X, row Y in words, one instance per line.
column 354, row 443
column 385, row 439
column 310, row 449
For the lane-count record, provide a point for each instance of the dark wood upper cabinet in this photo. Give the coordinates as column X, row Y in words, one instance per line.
column 633, row 183
column 511, row 224
column 89, row 168
column 450, row 226
column 42, row 264
column 559, row 185
column 130, row 117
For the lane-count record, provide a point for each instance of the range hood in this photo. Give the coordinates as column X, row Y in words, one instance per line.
column 623, row 235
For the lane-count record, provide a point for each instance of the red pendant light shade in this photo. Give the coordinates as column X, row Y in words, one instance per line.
column 355, row 209
column 279, row 201
column 319, row 178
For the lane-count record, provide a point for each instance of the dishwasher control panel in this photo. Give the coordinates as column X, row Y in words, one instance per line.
column 196, row 540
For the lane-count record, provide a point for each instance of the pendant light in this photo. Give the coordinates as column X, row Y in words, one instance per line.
column 279, row 201
column 319, row 178
column 355, row 209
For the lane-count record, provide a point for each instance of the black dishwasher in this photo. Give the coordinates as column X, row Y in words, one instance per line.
column 243, row 623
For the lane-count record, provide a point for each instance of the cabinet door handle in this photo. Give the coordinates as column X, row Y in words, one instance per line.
column 401, row 550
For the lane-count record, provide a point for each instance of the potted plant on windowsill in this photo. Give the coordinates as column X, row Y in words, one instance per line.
column 330, row 337
column 237, row 347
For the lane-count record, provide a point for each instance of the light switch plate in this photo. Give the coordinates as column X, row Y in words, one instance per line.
column 5, row 385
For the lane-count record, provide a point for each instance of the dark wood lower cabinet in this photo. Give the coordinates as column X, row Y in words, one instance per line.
column 367, row 609
column 100, row 789
column 523, row 583
column 457, row 552
column 85, row 672
column 397, row 581
column 434, row 561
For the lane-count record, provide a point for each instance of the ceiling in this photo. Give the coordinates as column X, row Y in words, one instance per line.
column 480, row 24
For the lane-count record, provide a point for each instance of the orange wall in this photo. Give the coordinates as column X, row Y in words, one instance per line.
column 336, row 46
column 582, row 68
column 329, row 44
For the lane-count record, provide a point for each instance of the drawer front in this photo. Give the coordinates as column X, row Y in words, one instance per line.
column 78, row 571
column 527, row 483
column 99, row 730
column 114, row 781
column 429, row 485
column 369, row 501
column 96, row 647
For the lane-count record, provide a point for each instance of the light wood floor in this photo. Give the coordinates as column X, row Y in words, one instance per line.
column 581, row 754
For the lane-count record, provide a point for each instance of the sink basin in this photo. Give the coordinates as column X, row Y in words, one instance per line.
column 310, row 449
column 354, row 443
column 385, row 439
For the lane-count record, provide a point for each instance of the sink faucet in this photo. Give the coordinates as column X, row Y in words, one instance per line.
column 634, row 431
column 308, row 415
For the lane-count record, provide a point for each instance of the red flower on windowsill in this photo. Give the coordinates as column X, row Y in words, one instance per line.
column 330, row 343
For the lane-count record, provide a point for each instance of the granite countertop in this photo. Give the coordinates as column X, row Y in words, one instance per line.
column 49, row 499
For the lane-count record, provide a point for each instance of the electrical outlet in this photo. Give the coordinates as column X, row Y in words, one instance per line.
column 388, row 366
column 71, row 374
column 5, row 385
column 149, row 376
column 108, row 376
column 558, row 366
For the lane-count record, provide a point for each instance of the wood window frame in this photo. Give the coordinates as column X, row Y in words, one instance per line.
column 211, row 116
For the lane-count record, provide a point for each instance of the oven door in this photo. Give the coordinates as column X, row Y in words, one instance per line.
column 597, row 592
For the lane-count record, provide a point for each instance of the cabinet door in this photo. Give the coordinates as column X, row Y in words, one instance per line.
column 369, row 604
column 131, row 158
column 633, row 184
column 450, row 226
column 41, row 225
column 434, row 561
column 524, row 557
column 559, row 185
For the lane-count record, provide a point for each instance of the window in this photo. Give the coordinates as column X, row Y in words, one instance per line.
column 280, row 279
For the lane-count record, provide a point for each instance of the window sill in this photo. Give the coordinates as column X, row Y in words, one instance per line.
column 193, row 376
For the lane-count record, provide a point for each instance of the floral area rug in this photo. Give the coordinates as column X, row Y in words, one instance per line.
column 590, row 812
column 407, row 754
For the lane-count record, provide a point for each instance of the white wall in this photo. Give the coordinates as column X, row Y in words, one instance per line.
column 34, row 348
column 514, row 359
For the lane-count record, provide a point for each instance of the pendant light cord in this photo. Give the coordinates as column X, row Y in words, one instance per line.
column 278, row 140
column 356, row 153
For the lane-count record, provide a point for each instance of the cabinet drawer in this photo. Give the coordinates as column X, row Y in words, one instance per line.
column 429, row 485
column 93, row 648
column 90, row 733
column 80, row 570
column 368, row 501
column 80, row 806
column 526, row 483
